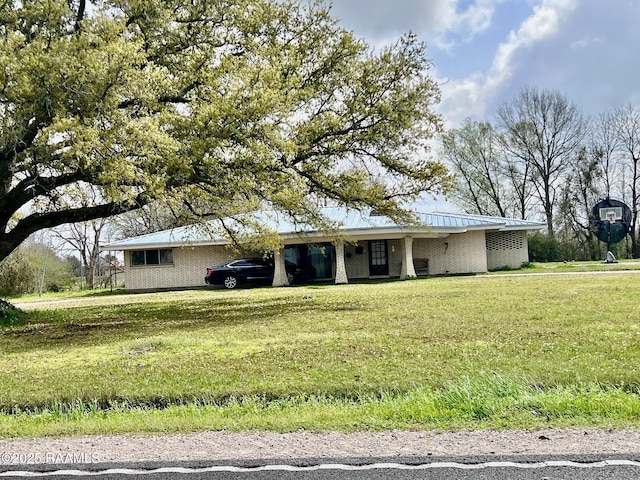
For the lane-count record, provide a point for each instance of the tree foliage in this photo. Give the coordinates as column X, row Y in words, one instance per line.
column 220, row 105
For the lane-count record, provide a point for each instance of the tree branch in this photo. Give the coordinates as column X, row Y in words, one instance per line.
column 38, row 221
column 80, row 14
column 32, row 187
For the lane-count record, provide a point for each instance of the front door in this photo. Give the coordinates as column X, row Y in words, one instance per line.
column 378, row 259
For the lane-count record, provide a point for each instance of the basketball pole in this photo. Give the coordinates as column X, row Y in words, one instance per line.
column 610, row 256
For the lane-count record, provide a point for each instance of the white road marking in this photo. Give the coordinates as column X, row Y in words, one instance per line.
column 344, row 467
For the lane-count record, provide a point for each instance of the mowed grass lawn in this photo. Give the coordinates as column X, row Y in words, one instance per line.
column 436, row 353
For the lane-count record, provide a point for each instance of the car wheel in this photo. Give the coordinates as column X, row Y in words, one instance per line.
column 290, row 278
column 230, row 282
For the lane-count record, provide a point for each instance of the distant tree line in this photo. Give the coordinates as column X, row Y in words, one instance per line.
column 541, row 158
column 40, row 266
column 70, row 256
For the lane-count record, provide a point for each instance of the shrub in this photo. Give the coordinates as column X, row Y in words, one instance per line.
column 9, row 314
column 17, row 274
column 22, row 271
column 542, row 248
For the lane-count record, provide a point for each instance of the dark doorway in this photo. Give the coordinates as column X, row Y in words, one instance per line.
column 378, row 258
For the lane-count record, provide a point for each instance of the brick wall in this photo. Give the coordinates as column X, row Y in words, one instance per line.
column 357, row 264
column 506, row 249
column 188, row 270
column 395, row 257
column 457, row 253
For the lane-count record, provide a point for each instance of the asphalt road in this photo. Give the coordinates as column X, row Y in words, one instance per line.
column 588, row 467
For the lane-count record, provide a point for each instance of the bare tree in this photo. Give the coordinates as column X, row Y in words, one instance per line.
column 543, row 129
column 605, row 145
column 517, row 173
column 84, row 239
column 149, row 219
column 583, row 187
column 627, row 123
column 475, row 156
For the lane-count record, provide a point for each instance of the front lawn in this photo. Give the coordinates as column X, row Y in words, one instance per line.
column 443, row 353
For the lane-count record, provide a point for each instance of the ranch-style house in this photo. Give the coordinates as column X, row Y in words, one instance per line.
column 369, row 246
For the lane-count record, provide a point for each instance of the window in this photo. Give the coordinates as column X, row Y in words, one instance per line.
column 137, row 257
column 244, row 263
column 151, row 257
column 166, row 256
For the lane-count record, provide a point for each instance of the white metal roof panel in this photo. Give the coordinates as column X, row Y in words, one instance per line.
column 348, row 219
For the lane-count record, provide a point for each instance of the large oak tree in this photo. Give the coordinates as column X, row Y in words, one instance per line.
column 220, row 105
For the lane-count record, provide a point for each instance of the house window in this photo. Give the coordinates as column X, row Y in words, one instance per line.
column 151, row 257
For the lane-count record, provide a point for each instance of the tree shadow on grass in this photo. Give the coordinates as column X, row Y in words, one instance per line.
column 93, row 326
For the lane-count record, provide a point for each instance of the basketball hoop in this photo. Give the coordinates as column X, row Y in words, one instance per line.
column 610, row 222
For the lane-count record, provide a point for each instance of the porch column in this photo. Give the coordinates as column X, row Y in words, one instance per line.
column 279, row 273
column 341, row 269
column 408, row 270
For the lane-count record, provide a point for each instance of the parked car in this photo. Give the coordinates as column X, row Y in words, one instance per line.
column 253, row 270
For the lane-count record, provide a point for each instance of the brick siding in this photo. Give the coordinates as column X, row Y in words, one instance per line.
column 457, row 253
column 188, row 270
column 506, row 249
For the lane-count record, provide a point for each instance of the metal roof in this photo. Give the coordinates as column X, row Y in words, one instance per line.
column 349, row 220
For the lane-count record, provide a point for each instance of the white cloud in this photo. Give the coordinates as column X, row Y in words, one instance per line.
column 470, row 96
column 441, row 20
column 445, row 20
column 585, row 42
column 478, row 16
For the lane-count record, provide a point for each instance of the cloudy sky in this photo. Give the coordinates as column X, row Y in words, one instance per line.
column 485, row 51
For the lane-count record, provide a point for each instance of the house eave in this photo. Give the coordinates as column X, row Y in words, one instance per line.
column 436, row 225
column 116, row 246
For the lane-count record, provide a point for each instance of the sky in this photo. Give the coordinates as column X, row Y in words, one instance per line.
column 484, row 52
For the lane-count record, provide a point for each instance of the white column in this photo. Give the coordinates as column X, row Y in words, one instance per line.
column 280, row 273
column 408, row 270
column 341, row 269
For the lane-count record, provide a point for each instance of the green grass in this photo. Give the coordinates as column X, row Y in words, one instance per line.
column 572, row 267
column 438, row 353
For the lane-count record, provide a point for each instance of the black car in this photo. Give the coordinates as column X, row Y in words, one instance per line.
column 253, row 270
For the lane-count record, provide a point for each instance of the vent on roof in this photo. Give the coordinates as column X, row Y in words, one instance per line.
column 376, row 213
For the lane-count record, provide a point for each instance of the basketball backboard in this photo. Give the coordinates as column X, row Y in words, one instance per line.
column 611, row 214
